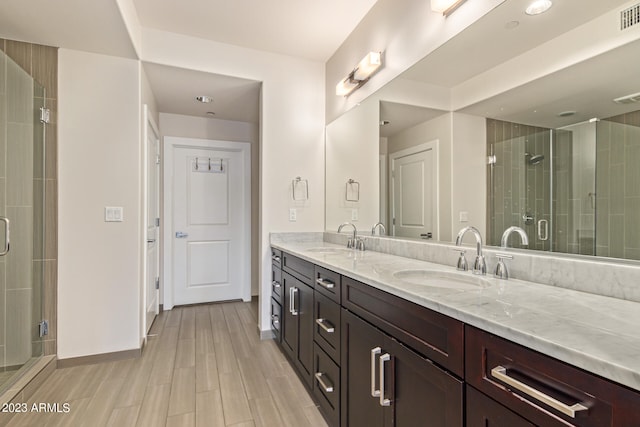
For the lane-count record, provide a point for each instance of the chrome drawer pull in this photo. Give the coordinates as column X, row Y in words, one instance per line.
column 275, row 284
column 323, row 324
column 274, row 319
column 292, row 301
column 374, row 352
column 275, row 258
column 325, row 283
column 500, row 373
column 325, row 387
column 384, row 358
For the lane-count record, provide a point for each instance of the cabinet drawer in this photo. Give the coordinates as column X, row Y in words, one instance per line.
column 327, row 282
column 276, row 319
column 326, row 385
column 326, row 332
column 485, row 412
column 276, row 284
column 434, row 335
column 299, row 268
column 276, row 257
column 544, row 390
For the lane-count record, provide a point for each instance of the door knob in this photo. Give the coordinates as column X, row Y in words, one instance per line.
column 181, row 235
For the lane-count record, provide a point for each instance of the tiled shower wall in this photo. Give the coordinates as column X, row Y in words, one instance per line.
column 517, row 188
column 618, row 186
column 41, row 62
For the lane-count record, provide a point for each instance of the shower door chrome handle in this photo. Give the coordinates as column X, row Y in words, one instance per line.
column 5, row 250
column 543, row 230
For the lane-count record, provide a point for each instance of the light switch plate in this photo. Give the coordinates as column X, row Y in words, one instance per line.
column 293, row 215
column 354, row 214
column 113, row 214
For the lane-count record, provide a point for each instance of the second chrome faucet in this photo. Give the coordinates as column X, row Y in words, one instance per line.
column 479, row 266
column 354, row 242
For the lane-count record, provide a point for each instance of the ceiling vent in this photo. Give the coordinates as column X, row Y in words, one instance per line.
column 630, row 17
column 628, row 99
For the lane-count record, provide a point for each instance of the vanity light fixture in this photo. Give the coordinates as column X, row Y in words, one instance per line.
column 446, row 7
column 360, row 75
column 538, row 7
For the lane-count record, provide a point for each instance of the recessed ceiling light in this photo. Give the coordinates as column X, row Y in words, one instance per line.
column 205, row 99
column 538, row 7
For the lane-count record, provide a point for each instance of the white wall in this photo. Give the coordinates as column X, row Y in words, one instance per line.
column 225, row 130
column 291, row 131
column 352, row 150
column 99, row 165
column 469, row 172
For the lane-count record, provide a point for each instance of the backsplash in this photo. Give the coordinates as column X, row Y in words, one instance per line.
column 616, row 279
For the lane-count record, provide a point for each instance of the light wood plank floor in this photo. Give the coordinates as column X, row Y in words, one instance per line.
column 206, row 366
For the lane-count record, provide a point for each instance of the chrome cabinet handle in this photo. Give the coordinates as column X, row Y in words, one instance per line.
column 328, row 388
column 323, row 324
column 500, row 373
column 275, row 284
column 325, row 283
column 374, row 352
column 383, row 401
column 5, row 250
column 274, row 319
column 275, row 258
column 292, row 301
column 543, row 230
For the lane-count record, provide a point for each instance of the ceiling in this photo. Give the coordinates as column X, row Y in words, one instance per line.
column 402, row 116
column 302, row 28
column 306, row 29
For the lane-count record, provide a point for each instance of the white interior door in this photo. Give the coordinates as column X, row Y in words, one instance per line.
column 211, row 229
column 152, row 274
column 414, row 174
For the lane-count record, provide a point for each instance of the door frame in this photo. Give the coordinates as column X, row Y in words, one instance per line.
column 432, row 145
column 170, row 143
column 148, row 121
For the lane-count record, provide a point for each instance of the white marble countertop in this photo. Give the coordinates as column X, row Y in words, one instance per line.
column 598, row 334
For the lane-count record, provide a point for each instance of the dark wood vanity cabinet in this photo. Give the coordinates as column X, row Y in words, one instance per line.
column 539, row 389
column 384, row 383
column 297, row 331
column 276, row 294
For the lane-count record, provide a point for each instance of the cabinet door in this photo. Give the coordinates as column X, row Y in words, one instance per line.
column 359, row 407
column 303, row 305
column 289, row 327
column 485, row 412
column 420, row 390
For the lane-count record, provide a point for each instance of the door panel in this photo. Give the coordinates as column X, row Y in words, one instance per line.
column 152, row 294
column 208, row 194
column 414, row 193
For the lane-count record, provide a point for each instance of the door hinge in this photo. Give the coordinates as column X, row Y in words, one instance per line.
column 43, row 328
column 157, row 283
column 157, row 222
column 45, row 115
column 157, row 159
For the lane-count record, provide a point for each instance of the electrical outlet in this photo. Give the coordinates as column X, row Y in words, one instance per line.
column 354, row 214
column 293, row 215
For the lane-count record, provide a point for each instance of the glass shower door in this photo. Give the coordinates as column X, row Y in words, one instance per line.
column 22, row 215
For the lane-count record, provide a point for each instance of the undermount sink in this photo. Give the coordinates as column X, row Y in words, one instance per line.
column 442, row 279
column 323, row 250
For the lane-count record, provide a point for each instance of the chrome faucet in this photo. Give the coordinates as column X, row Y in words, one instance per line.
column 479, row 266
column 507, row 233
column 354, row 242
column 383, row 230
column 501, row 268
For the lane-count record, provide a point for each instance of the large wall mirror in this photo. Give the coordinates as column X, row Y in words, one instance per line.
column 536, row 127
